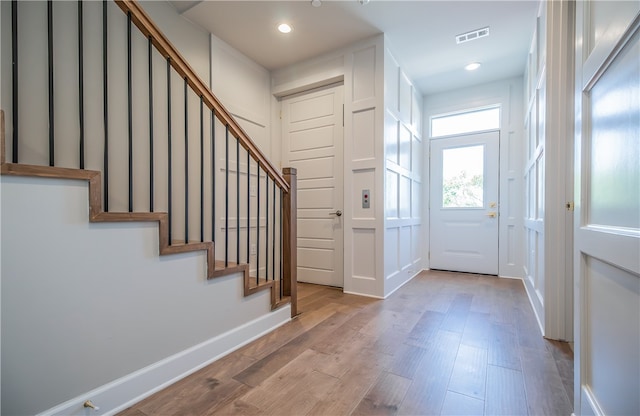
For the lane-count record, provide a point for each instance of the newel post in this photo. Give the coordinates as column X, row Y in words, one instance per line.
column 290, row 240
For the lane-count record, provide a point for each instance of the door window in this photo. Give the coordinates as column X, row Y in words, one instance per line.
column 463, row 177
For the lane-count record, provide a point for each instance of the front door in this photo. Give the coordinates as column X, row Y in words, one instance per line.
column 312, row 132
column 464, row 212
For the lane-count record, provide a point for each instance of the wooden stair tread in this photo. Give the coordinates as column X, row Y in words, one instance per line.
column 215, row 268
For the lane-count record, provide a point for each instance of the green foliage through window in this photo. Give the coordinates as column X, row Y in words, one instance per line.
column 463, row 177
column 463, row 191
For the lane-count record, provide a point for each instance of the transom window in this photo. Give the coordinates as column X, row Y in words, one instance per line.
column 466, row 122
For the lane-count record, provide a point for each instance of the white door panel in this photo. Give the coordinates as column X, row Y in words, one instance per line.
column 464, row 203
column 316, row 228
column 312, row 143
column 607, row 225
column 316, row 168
column 316, row 198
column 313, row 137
column 312, row 107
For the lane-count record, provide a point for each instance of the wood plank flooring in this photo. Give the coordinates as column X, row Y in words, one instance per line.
column 444, row 344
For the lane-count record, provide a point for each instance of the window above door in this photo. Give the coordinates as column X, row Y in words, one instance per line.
column 469, row 121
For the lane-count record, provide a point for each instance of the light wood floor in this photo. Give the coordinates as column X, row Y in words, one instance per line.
column 445, row 343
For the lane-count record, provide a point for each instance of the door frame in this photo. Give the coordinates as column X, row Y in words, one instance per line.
column 509, row 95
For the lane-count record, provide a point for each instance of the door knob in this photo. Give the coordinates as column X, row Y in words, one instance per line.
column 492, row 214
column 337, row 213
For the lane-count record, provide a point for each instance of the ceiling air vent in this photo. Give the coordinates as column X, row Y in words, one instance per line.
column 473, row 35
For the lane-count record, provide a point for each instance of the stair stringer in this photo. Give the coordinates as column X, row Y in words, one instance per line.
column 96, row 214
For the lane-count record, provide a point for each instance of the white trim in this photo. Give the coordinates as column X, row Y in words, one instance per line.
column 558, row 171
column 124, row 392
column 366, row 295
column 307, row 84
column 534, row 302
column 403, row 283
column 589, row 399
column 506, row 94
column 511, row 277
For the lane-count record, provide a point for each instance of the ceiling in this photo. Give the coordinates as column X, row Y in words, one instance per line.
column 421, row 34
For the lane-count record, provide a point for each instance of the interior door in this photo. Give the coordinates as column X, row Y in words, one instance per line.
column 607, row 220
column 464, row 211
column 312, row 131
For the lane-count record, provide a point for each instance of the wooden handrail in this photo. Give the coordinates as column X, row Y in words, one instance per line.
column 144, row 23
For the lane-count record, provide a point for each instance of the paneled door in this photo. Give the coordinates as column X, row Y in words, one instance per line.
column 607, row 217
column 464, row 212
column 312, row 133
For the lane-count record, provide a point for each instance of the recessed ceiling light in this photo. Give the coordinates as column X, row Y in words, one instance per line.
column 316, row 3
column 472, row 66
column 284, row 28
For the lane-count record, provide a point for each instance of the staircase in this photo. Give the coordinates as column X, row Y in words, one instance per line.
column 163, row 150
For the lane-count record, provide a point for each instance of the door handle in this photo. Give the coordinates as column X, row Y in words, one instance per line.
column 492, row 214
column 337, row 213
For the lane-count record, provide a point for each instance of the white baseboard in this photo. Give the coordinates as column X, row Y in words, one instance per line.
column 124, row 392
column 366, row 295
column 411, row 277
column 528, row 290
column 509, row 277
column 589, row 405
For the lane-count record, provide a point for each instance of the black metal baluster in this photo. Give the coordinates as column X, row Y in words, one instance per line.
column 105, row 107
column 169, row 196
column 281, row 243
column 151, row 173
column 249, row 223
column 266, row 222
column 213, row 176
column 186, row 162
column 249, row 209
column 14, row 76
column 51, row 92
column 237, row 201
column 273, row 236
column 81, row 81
column 226, row 198
column 201, row 169
column 258, row 227
column 130, row 111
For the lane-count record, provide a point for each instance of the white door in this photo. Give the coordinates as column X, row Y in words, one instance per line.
column 464, row 211
column 312, row 132
column 607, row 217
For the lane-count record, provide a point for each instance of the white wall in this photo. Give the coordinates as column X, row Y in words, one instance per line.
column 534, row 169
column 191, row 41
column 548, row 173
column 361, row 68
column 244, row 89
column 509, row 94
column 87, row 306
column 403, row 232
column 382, row 110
